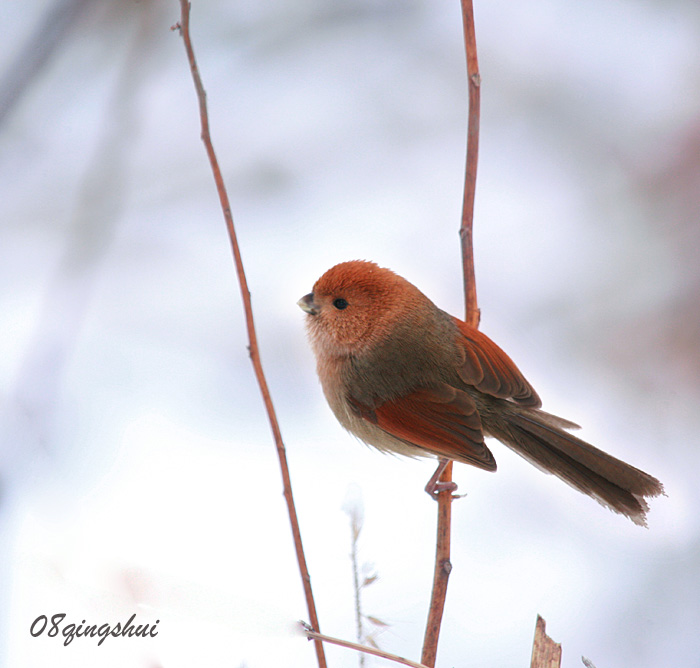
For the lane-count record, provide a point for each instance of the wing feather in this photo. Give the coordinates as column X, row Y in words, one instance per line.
column 490, row 370
column 441, row 419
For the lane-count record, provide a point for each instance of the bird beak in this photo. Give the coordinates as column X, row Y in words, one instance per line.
column 307, row 304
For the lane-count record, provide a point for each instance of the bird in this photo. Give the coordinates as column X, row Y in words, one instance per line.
column 406, row 377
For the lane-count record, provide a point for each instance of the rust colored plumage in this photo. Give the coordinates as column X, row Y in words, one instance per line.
column 406, row 377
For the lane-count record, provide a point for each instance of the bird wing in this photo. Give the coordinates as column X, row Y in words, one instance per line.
column 442, row 420
column 490, row 370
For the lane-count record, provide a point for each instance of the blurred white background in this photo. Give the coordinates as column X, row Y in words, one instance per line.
column 137, row 470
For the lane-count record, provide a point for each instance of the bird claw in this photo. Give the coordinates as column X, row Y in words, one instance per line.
column 437, row 487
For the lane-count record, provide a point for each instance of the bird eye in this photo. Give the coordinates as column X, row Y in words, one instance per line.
column 340, row 303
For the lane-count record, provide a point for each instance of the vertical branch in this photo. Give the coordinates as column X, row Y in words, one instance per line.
column 250, row 325
column 473, row 314
column 355, row 513
column 443, row 565
column 358, row 596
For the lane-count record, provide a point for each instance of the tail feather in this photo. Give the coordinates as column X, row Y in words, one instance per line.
column 613, row 483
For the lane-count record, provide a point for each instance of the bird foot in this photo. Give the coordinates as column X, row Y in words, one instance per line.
column 435, row 485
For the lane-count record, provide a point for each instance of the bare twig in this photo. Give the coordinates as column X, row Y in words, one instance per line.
column 354, row 510
column 252, row 337
column 443, row 565
column 312, row 635
column 545, row 652
column 472, row 309
column 358, row 595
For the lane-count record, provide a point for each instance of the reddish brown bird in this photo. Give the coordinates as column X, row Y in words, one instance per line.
column 406, row 377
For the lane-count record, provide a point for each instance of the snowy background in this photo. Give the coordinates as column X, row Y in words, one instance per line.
column 137, row 471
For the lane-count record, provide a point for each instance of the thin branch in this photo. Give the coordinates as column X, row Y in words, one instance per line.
column 252, row 337
column 443, row 565
column 312, row 635
column 473, row 314
column 355, row 529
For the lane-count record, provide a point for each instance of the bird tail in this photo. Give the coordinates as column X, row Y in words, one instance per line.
column 541, row 439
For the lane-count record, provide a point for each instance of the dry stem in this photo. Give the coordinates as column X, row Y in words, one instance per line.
column 360, row 648
column 443, row 565
column 545, row 652
column 473, row 314
column 252, row 337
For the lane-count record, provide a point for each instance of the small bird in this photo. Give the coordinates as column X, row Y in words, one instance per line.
column 406, row 377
